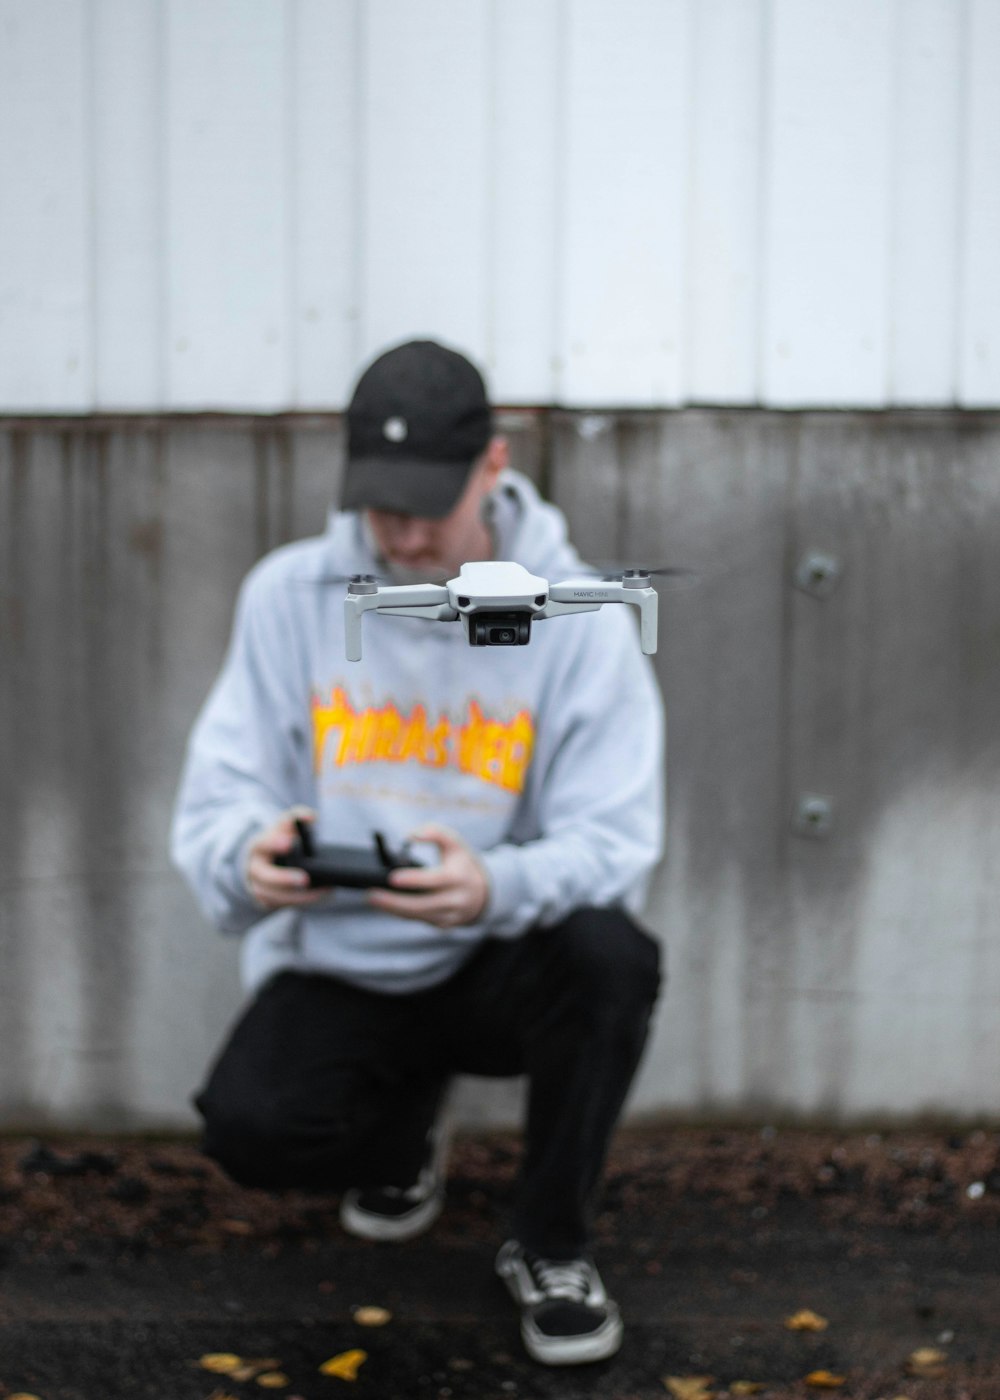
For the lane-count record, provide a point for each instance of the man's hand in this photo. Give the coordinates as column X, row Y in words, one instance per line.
column 450, row 894
column 278, row 886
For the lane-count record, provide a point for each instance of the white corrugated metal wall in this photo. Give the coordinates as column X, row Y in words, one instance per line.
column 230, row 203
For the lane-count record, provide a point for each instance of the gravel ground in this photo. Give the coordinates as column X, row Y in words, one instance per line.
column 126, row 1265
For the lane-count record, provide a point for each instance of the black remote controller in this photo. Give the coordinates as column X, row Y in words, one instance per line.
column 352, row 867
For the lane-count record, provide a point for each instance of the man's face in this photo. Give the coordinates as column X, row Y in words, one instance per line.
column 417, row 547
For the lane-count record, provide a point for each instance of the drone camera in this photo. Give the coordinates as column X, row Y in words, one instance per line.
column 499, row 629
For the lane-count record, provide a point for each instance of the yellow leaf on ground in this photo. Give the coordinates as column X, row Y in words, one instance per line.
column 806, row 1321
column 372, row 1317
column 22, row 1395
column 690, row 1387
column 247, row 1370
column 927, row 1361
column 825, row 1380
column 346, row 1365
column 745, row 1387
column 222, row 1363
column 273, row 1380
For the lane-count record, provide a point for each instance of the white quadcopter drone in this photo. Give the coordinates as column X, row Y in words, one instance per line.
column 497, row 602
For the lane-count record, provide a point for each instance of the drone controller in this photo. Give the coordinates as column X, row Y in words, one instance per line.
column 353, row 867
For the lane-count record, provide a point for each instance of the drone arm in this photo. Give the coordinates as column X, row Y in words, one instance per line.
column 584, row 596
column 647, row 602
column 554, row 608
column 355, row 607
column 437, row 612
column 418, row 599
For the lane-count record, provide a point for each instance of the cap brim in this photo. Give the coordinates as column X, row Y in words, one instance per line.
column 407, row 485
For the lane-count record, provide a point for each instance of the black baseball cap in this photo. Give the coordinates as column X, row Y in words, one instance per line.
column 417, row 421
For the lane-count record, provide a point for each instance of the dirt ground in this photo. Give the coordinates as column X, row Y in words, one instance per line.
column 780, row 1263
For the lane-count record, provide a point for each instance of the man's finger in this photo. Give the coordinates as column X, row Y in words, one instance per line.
column 274, row 892
column 442, row 836
column 265, row 872
column 409, row 906
column 429, row 877
column 387, row 898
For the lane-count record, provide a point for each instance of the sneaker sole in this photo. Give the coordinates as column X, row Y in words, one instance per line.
column 367, row 1226
column 573, row 1351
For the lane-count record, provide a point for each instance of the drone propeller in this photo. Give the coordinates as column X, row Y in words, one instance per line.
column 612, row 570
column 331, row 580
column 667, row 571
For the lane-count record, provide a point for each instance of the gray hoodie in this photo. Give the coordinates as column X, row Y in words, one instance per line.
column 547, row 759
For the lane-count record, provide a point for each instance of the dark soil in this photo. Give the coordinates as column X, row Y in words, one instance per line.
column 124, row 1263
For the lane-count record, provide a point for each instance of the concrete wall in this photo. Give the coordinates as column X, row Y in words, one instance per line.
column 846, row 967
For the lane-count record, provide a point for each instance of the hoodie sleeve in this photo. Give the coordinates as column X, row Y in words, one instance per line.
column 248, row 756
column 597, row 781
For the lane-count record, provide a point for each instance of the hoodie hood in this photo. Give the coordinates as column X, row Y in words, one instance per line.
column 529, row 530
column 525, row 528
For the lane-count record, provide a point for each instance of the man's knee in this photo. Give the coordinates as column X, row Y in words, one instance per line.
column 250, row 1142
column 259, row 1145
column 606, row 958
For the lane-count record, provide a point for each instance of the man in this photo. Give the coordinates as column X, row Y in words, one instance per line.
column 533, row 773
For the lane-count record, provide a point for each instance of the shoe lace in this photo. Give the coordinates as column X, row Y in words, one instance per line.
column 559, row 1278
column 419, row 1191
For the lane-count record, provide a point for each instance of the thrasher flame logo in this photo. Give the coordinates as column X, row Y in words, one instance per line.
column 491, row 750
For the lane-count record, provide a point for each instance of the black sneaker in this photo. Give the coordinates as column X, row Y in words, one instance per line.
column 391, row 1212
column 566, row 1316
column 398, row 1212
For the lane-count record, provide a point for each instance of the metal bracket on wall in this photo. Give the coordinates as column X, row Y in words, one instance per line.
column 818, row 574
column 813, row 816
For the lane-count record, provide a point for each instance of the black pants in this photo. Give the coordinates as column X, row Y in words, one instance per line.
column 324, row 1085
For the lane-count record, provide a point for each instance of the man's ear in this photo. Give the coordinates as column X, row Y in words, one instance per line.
column 495, row 459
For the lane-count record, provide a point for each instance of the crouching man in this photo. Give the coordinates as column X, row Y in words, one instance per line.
column 535, row 773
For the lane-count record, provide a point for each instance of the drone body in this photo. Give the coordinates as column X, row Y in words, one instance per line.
column 497, row 601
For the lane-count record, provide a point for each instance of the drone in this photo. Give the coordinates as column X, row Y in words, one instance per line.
column 497, row 601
